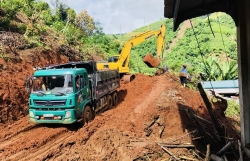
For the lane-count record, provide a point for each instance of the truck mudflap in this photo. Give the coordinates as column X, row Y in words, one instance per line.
column 60, row 117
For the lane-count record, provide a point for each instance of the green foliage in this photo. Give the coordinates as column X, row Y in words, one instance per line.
column 233, row 108
column 47, row 17
column 4, row 21
column 213, row 69
column 187, row 51
column 22, row 28
column 209, row 69
column 227, row 70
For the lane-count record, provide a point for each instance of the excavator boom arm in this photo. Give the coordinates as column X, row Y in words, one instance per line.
column 124, row 56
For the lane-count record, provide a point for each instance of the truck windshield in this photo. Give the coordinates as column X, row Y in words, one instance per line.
column 57, row 84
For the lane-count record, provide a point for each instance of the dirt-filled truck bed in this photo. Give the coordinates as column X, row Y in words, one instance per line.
column 71, row 92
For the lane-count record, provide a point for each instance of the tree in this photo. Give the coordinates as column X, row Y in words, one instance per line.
column 85, row 22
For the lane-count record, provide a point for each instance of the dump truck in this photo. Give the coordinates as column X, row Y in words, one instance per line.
column 121, row 61
column 71, row 93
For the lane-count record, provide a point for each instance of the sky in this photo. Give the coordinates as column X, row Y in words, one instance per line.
column 119, row 16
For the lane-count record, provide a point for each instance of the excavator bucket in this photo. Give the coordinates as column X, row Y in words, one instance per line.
column 126, row 78
column 151, row 61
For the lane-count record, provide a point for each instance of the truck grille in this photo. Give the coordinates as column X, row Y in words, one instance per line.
column 49, row 102
column 49, row 109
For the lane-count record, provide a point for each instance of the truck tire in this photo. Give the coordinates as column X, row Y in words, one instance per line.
column 87, row 115
column 110, row 102
column 115, row 98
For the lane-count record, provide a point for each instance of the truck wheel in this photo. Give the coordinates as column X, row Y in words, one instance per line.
column 115, row 98
column 87, row 115
column 110, row 102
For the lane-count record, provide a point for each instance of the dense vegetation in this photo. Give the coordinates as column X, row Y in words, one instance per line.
column 222, row 45
column 213, row 54
column 46, row 28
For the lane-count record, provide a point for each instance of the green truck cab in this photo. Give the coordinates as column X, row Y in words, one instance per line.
column 71, row 92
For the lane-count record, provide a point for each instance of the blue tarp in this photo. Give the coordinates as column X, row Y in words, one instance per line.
column 220, row 84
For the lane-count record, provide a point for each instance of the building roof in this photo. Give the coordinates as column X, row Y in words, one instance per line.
column 181, row 10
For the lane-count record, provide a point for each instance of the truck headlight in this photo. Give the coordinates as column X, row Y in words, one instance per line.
column 68, row 114
column 31, row 114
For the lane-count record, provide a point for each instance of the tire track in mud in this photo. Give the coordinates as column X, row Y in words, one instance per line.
column 27, row 140
column 9, row 137
column 154, row 93
column 55, row 149
column 55, row 142
column 40, row 142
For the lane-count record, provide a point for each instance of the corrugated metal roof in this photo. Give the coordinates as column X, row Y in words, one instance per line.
column 182, row 10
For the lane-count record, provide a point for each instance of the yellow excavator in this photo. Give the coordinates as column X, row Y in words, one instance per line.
column 121, row 62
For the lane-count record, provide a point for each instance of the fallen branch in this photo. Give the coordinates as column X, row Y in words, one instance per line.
column 224, row 157
column 200, row 137
column 202, row 119
column 168, row 152
column 161, row 131
column 147, row 156
column 197, row 155
column 200, row 153
column 240, row 152
column 155, row 118
column 216, row 158
column 183, row 157
column 210, row 110
column 208, row 153
column 149, row 131
column 178, row 145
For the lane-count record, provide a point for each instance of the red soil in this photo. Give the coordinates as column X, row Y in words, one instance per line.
column 120, row 133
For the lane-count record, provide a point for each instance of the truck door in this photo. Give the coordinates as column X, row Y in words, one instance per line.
column 82, row 92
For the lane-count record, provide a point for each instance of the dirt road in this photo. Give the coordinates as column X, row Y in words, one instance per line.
column 117, row 134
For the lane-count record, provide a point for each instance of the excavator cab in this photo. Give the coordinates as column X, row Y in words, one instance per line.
column 113, row 58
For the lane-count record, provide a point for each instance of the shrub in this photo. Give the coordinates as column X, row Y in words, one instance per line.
column 21, row 28
column 233, row 108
